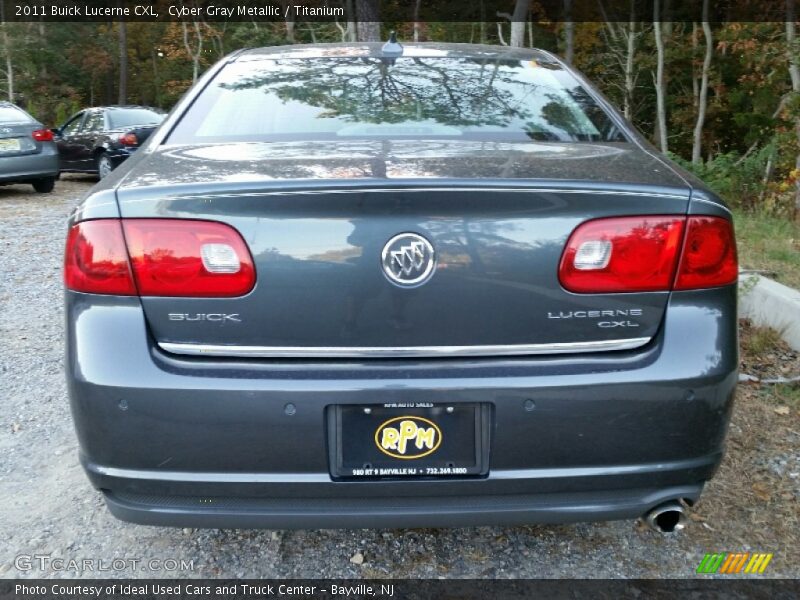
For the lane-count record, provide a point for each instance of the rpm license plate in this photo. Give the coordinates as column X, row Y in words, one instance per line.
column 423, row 440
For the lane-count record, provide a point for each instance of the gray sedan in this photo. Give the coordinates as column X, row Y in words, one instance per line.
column 27, row 151
column 360, row 286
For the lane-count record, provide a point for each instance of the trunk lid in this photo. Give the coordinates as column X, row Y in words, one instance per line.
column 317, row 223
column 16, row 139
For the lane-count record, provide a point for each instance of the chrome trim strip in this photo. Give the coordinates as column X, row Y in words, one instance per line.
column 389, row 190
column 400, row 351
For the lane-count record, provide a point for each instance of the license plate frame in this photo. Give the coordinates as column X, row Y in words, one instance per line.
column 460, row 442
column 10, row 145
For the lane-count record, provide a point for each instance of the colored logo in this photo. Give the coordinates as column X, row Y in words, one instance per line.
column 731, row 563
column 408, row 437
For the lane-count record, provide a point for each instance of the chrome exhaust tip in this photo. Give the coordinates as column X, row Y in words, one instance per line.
column 667, row 518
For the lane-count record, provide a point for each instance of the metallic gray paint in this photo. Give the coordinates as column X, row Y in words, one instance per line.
column 611, row 435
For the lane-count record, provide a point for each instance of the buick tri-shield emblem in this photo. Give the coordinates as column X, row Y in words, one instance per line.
column 408, row 259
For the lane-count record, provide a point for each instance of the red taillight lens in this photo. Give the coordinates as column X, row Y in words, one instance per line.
column 627, row 254
column 639, row 254
column 96, row 260
column 709, row 254
column 128, row 139
column 177, row 257
column 42, row 135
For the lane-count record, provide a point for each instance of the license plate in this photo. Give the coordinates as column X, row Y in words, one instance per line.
column 421, row 440
column 9, row 145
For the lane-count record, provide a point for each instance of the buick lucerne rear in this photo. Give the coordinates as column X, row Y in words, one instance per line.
column 345, row 287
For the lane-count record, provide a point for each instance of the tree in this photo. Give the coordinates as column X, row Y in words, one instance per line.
column 703, row 98
column 196, row 52
column 794, row 75
column 518, row 19
column 123, row 62
column 661, row 92
column 569, row 32
column 368, row 24
column 622, row 40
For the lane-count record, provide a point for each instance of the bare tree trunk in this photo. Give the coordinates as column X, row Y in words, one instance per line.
column 368, row 23
column 703, row 100
column 627, row 108
column 348, row 31
column 518, row 19
column 9, row 69
column 695, row 83
column 195, row 56
column 7, row 50
column 351, row 21
column 123, row 62
column 569, row 32
column 156, row 79
column 416, row 20
column 794, row 73
column 500, row 34
column 290, row 37
column 661, row 111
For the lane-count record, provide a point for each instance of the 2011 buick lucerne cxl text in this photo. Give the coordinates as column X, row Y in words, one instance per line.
column 358, row 285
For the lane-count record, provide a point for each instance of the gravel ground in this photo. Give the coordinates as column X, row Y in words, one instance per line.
column 49, row 508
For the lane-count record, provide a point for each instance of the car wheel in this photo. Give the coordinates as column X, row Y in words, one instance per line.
column 44, row 186
column 104, row 166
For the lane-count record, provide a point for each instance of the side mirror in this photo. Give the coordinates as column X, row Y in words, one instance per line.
column 56, row 131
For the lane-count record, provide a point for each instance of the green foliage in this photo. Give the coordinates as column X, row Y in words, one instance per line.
column 738, row 180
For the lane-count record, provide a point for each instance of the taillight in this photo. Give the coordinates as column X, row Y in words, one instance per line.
column 42, row 135
column 96, row 260
column 627, row 254
column 168, row 257
column 178, row 257
column 709, row 254
column 128, row 139
column 640, row 254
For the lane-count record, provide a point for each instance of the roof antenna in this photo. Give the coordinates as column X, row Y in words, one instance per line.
column 392, row 47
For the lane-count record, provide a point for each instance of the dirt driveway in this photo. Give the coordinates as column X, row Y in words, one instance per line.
column 49, row 509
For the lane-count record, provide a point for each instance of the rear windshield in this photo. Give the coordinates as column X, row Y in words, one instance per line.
column 131, row 117
column 407, row 97
column 11, row 114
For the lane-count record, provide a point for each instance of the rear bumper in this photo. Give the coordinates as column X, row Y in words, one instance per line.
column 118, row 155
column 379, row 513
column 29, row 167
column 196, row 442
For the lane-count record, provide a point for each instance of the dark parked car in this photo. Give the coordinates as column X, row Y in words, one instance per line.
column 346, row 287
column 97, row 140
column 27, row 151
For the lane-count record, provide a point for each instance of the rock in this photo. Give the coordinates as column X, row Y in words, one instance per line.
column 357, row 558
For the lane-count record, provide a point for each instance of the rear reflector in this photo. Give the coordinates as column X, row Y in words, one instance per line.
column 640, row 254
column 179, row 257
column 42, row 135
column 96, row 261
column 168, row 257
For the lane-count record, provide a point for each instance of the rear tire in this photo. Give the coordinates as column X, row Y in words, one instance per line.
column 44, row 186
column 104, row 166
